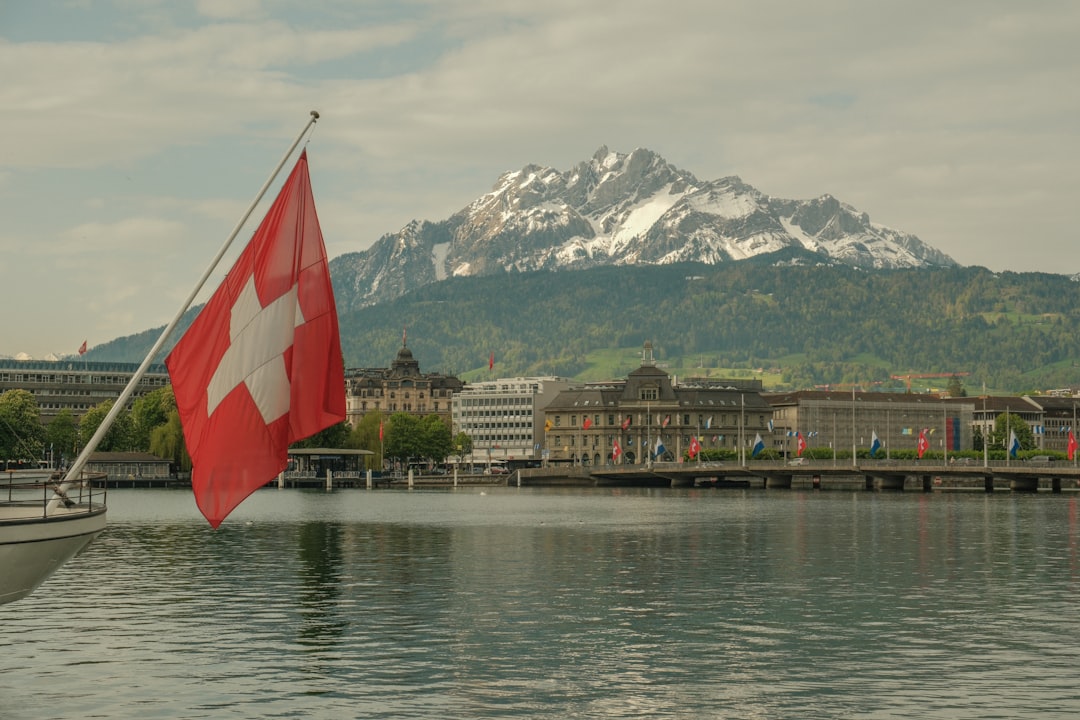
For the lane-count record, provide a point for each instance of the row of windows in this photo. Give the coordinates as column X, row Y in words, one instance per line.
column 46, row 379
column 472, row 414
column 495, row 401
column 477, row 425
column 703, row 421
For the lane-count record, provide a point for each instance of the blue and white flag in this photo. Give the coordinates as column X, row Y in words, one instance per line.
column 759, row 445
column 708, row 423
column 660, row 449
column 875, row 444
column 1014, row 444
column 770, row 426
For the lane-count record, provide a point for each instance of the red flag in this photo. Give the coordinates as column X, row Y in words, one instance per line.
column 800, row 444
column 616, row 451
column 667, row 419
column 491, row 362
column 626, row 422
column 586, row 424
column 694, row 449
column 82, row 348
column 1072, row 446
column 923, row 444
column 380, row 432
column 261, row 366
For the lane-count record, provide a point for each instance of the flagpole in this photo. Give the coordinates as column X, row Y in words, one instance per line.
column 128, row 391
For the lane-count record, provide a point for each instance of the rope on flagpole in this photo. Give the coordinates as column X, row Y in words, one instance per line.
column 129, row 389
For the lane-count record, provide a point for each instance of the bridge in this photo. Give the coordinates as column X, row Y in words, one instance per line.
column 1017, row 476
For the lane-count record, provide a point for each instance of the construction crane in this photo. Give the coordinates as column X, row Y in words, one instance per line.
column 907, row 378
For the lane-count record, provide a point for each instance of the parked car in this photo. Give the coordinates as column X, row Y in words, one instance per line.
column 797, row 461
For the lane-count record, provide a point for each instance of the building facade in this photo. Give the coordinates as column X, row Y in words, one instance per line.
column 76, row 385
column 848, row 421
column 399, row 388
column 505, row 417
column 649, row 418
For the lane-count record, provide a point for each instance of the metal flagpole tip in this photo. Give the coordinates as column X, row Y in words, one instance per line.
column 315, row 114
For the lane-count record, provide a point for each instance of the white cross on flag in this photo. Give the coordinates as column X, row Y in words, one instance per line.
column 261, row 366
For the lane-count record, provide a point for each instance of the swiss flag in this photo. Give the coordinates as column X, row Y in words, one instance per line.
column 626, row 422
column 800, row 445
column 694, row 449
column 616, row 451
column 261, row 366
column 587, row 423
column 82, row 348
column 491, row 361
column 923, row 444
column 1071, row 447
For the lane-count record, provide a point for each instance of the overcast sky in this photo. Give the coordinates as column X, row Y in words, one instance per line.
column 135, row 132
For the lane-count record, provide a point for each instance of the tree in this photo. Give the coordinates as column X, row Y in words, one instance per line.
column 402, row 437
column 365, row 436
column 118, row 437
column 335, row 436
column 167, row 441
column 1010, row 423
column 149, row 412
column 463, row 445
column 436, row 442
column 22, row 436
column 62, row 436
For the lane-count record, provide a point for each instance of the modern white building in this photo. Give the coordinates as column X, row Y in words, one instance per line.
column 505, row 417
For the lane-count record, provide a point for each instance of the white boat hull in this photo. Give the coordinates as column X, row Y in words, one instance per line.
column 36, row 538
column 32, row 550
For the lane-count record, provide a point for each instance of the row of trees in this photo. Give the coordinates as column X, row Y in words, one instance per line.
column 153, row 425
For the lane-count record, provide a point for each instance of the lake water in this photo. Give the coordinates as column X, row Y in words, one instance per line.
column 560, row 603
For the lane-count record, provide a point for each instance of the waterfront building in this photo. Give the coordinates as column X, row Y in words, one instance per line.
column 505, row 417
column 847, row 420
column 649, row 411
column 1058, row 417
column 399, row 388
column 76, row 385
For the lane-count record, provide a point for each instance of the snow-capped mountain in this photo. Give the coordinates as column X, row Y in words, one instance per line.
column 617, row 209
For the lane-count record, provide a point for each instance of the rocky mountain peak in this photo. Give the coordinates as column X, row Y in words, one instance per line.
column 617, row 208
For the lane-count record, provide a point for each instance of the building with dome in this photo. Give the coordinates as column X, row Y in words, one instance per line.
column 399, row 388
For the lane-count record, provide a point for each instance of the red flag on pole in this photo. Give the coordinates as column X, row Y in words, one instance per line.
column 586, row 424
column 82, row 348
column 261, row 366
column 491, row 362
column 923, row 444
column 616, row 451
column 626, row 422
column 380, row 432
column 1072, row 446
column 694, row 449
column 800, row 445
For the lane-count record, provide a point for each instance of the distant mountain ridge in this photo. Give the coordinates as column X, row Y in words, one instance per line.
column 618, row 209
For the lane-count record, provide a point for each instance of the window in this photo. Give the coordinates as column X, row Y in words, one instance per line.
column 647, row 393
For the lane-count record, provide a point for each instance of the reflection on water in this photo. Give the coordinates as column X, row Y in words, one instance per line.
column 559, row 603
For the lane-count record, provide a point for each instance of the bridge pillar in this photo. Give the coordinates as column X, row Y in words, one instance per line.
column 1024, row 484
column 869, row 482
column 988, row 483
column 927, row 486
column 782, row 482
column 1055, row 485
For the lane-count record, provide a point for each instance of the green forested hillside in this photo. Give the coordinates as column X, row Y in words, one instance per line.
column 808, row 325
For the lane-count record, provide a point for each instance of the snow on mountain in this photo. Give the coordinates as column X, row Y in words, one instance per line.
column 617, row 209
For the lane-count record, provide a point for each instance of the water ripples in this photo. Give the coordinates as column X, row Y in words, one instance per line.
column 562, row 604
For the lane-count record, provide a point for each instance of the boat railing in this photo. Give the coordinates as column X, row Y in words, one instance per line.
column 31, row 492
